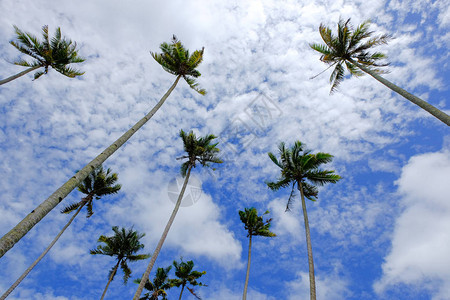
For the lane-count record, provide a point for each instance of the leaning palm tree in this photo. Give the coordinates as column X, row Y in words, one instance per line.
column 175, row 59
column 198, row 150
column 158, row 286
column 255, row 225
column 57, row 52
column 99, row 183
column 186, row 275
column 302, row 168
column 351, row 48
column 123, row 245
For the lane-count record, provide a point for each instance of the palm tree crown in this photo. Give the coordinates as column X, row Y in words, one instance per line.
column 254, row 224
column 199, row 150
column 186, row 275
column 349, row 46
column 98, row 183
column 57, row 52
column 159, row 285
column 300, row 166
column 176, row 60
column 123, row 245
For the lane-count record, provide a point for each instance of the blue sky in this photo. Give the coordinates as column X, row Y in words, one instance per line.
column 382, row 232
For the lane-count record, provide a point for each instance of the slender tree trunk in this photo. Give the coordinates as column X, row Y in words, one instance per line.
column 6, row 80
column 442, row 116
column 163, row 238
column 182, row 288
column 15, row 234
column 244, row 297
column 110, row 279
column 312, row 280
column 18, row 281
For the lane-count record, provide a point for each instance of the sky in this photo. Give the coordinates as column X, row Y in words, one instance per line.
column 382, row 232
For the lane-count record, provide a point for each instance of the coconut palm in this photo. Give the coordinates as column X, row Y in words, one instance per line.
column 57, row 52
column 199, row 150
column 186, row 275
column 99, row 183
column 123, row 245
column 182, row 65
column 255, row 226
column 158, row 286
column 351, row 48
column 302, row 168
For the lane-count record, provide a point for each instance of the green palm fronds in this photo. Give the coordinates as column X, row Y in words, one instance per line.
column 57, row 52
column 175, row 59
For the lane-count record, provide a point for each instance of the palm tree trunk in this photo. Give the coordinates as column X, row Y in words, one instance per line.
column 182, row 288
column 15, row 234
column 110, row 279
column 163, row 238
column 6, row 80
column 18, row 281
column 442, row 116
column 312, row 280
column 244, row 297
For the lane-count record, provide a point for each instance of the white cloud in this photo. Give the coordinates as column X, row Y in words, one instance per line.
column 420, row 242
column 328, row 287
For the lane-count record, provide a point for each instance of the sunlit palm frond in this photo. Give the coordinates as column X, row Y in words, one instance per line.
column 347, row 47
column 176, row 60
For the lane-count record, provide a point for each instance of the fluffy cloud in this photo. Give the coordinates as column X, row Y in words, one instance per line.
column 420, row 242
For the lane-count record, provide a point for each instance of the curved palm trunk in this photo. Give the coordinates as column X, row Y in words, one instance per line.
column 15, row 234
column 163, row 238
column 312, row 280
column 182, row 288
column 244, row 297
column 18, row 281
column 442, row 116
column 110, row 279
column 6, row 80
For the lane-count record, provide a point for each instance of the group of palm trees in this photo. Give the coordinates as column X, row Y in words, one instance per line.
column 300, row 168
column 124, row 244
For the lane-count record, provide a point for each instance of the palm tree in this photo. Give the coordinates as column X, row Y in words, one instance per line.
column 198, row 150
column 302, row 168
column 255, row 225
column 159, row 285
column 99, row 183
column 350, row 47
column 123, row 245
column 57, row 53
column 186, row 275
column 184, row 66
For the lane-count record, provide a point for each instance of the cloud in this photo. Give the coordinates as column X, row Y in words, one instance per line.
column 420, row 241
column 327, row 287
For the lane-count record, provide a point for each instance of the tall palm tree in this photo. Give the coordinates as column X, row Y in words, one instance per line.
column 198, row 150
column 302, row 168
column 186, row 275
column 351, row 48
column 99, row 183
column 255, row 226
column 158, row 286
column 183, row 65
column 123, row 245
column 57, row 53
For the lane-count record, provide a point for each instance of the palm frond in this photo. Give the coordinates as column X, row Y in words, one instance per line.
column 70, row 208
column 336, row 77
column 126, row 271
